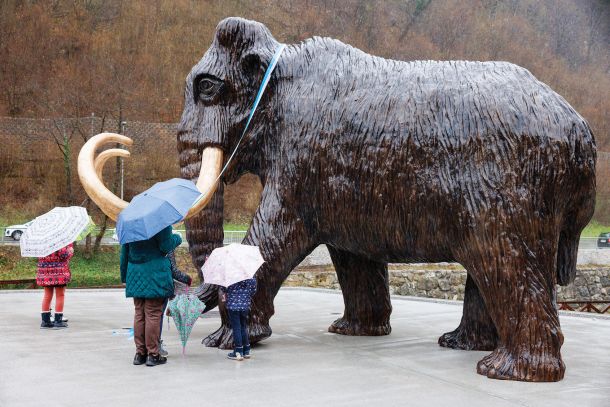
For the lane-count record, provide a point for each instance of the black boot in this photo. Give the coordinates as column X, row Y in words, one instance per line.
column 62, row 315
column 58, row 323
column 139, row 359
column 154, row 360
column 46, row 320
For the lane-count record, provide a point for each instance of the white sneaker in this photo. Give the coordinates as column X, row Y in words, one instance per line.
column 235, row 356
column 162, row 350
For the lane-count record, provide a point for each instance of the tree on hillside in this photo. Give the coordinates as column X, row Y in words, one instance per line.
column 68, row 58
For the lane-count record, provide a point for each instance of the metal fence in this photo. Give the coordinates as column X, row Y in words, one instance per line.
column 38, row 151
column 234, row 236
column 597, row 307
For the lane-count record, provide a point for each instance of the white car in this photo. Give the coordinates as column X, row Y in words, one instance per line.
column 16, row 231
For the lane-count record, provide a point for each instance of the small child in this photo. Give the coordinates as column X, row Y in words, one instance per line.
column 53, row 273
column 237, row 298
column 180, row 277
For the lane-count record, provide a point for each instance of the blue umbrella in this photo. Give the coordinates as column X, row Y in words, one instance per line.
column 163, row 204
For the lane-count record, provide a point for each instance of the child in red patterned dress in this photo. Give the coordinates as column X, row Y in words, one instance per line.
column 53, row 274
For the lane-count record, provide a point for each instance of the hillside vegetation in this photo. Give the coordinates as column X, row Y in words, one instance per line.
column 128, row 59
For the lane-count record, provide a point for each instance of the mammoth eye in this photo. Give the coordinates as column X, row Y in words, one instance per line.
column 207, row 87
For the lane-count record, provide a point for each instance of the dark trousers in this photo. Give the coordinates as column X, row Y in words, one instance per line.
column 149, row 311
column 239, row 323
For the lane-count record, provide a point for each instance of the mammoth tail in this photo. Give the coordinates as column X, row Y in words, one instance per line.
column 579, row 197
column 569, row 238
column 566, row 258
column 574, row 222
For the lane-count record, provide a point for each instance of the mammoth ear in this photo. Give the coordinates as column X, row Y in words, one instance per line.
column 239, row 37
column 249, row 44
column 238, row 34
column 253, row 64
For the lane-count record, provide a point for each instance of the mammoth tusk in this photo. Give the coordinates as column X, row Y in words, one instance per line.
column 211, row 165
column 89, row 172
column 104, row 156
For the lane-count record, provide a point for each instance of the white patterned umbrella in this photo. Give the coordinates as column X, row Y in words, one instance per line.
column 55, row 229
column 231, row 264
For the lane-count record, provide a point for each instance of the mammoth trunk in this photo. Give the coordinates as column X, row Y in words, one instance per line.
column 204, row 233
column 204, row 230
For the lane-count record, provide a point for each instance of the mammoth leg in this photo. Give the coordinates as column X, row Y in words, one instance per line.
column 284, row 243
column 516, row 278
column 222, row 337
column 366, row 295
column 476, row 330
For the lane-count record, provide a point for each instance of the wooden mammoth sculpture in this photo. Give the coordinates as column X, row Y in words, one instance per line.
column 389, row 161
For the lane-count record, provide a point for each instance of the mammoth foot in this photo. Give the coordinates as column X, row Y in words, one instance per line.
column 504, row 365
column 462, row 338
column 223, row 337
column 343, row 326
column 258, row 332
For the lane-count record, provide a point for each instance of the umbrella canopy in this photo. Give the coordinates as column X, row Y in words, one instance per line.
column 231, row 264
column 185, row 310
column 87, row 230
column 55, row 229
column 163, row 204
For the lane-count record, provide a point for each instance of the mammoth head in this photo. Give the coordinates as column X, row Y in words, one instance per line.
column 219, row 92
column 221, row 87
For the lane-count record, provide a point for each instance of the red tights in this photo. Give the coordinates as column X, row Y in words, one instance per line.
column 59, row 299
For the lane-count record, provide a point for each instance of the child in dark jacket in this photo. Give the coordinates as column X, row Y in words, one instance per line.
column 181, row 277
column 237, row 298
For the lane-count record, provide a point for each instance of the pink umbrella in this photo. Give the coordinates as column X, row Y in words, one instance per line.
column 231, row 264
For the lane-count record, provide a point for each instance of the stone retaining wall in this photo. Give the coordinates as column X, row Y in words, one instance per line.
column 447, row 281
